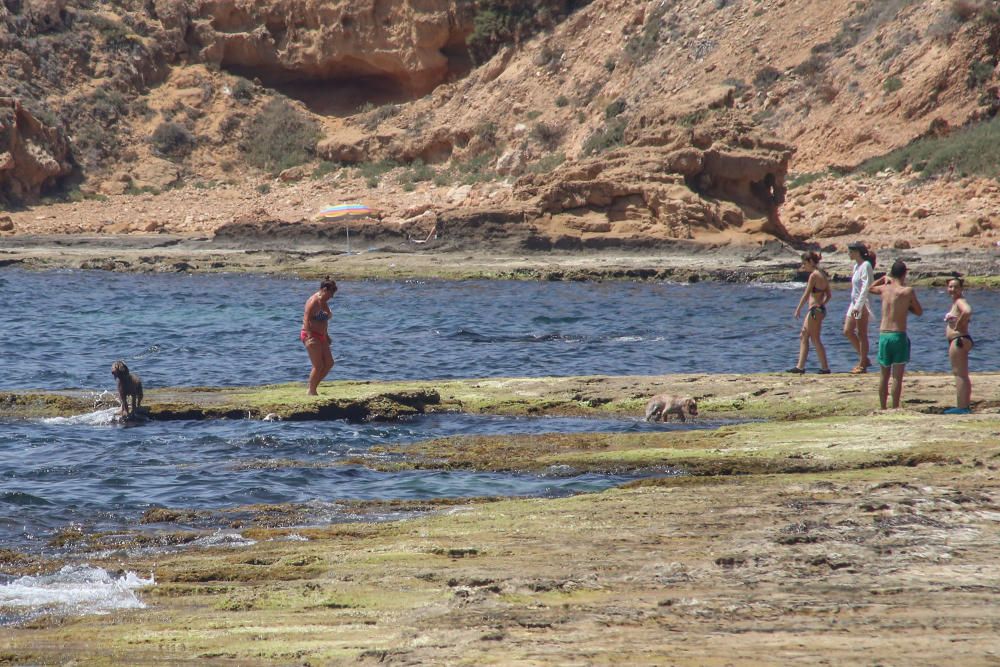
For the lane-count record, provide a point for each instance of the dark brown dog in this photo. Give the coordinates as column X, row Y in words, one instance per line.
column 661, row 406
column 129, row 385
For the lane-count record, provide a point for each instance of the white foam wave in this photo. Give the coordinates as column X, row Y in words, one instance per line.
column 291, row 537
column 219, row 539
column 98, row 418
column 75, row 589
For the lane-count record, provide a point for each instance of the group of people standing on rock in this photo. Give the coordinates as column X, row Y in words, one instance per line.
column 898, row 301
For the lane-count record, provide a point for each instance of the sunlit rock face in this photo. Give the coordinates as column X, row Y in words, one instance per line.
column 33, row 156
column 312, row 40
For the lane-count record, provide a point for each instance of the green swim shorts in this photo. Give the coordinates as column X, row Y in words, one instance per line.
column 893, row 348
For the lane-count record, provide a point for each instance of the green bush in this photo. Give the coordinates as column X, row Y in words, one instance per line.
column 693, row 118
column 980, row 72
column 765, row 77
column 372, row 172
column 107, row 103
column 499, row 22
column 974, row 151
column 172, row 140
column 324, row 168
column 487, row 132
column 892, row 84
column 242, row 90
column 547, row 163
column 873, row 14
column 804, row 179
column 279, row 137
column 614, row 109
column 420, row 172
column 643, row 45
column 740, row 86
column 478, row 169
column 963, row 10
column 610, row 136
column 610, row 64
column 811, row 66
column 562, row 101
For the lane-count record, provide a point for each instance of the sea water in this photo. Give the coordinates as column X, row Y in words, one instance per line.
column 62, row 329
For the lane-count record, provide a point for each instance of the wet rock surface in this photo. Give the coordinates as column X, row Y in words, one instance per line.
column 830, row 533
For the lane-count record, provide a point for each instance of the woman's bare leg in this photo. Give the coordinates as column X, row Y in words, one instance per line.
column 316, row 356
column 803, row 345
column 851, row 332
column 959, row 357
column 815, row 324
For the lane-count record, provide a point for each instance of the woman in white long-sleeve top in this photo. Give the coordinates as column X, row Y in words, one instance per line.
column 859, row 311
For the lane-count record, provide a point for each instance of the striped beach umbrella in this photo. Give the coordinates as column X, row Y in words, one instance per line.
column 344, row 212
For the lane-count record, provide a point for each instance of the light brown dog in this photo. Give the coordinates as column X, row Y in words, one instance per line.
column 129, row 385
column 661, row 406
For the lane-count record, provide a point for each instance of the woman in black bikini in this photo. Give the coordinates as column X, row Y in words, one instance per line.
column 956, row 330
column 315, row 335
column 818, row 293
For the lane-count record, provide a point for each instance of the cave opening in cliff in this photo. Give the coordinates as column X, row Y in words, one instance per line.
column 348, row 89
column 336, row 95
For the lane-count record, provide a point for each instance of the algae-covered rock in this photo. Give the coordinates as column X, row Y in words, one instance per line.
column 28, row 405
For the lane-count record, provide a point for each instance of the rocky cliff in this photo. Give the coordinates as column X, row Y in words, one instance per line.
column 614, row 119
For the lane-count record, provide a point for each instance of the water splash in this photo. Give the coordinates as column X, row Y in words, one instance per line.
column 97, row 418
column 75, row 589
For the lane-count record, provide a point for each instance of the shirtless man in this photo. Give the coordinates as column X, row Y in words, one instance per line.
column 898, row 301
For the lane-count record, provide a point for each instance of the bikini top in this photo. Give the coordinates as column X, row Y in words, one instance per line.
column 321, row 316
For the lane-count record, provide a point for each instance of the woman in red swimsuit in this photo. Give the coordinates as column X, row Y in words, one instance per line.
column 315, row 335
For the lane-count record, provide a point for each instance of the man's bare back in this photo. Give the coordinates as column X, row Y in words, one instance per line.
column 898, row 301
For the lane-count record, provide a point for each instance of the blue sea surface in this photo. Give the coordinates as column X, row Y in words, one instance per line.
column 63, row 329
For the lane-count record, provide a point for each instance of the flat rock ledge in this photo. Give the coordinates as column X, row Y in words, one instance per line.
column 769, row 396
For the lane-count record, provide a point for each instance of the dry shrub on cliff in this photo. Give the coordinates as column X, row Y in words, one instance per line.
column 172, row 140
column 964, row 10
column 279, row 137
column 375, row 115
column 547, row 134
column 765, row 77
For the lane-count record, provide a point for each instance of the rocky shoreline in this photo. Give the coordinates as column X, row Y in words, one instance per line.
column 817, row 530
column 771, row 261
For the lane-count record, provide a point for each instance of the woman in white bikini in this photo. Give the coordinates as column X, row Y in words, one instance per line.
column 818, row 293
column 960, row 343
column 859, row 312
